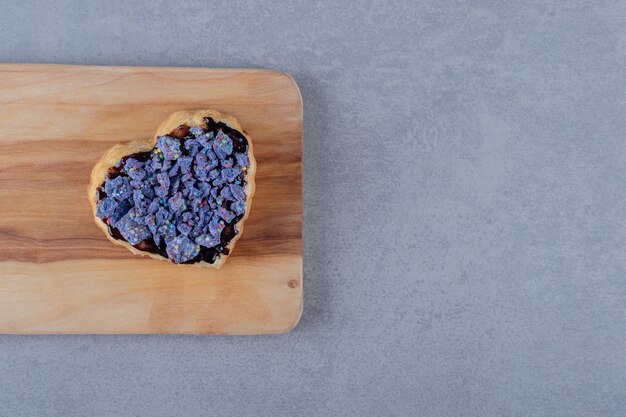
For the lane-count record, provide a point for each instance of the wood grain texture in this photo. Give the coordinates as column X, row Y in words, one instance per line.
column 59, row 274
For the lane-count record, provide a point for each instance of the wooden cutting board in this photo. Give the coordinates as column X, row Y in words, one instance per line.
column 60, row 274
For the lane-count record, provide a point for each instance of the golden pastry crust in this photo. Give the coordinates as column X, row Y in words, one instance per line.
column 191, row 118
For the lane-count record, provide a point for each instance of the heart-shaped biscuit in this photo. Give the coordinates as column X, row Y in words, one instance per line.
column 181, row 196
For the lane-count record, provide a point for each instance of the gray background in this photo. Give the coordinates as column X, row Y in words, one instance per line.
column 463, row 212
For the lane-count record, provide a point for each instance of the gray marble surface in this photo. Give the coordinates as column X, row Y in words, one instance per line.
column 464, row 209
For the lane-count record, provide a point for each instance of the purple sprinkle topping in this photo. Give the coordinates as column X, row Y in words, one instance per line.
column 174, row 170
column 168, row 231
column 169, row 148
column 134, row 169
column 132, row 231
column 239, row 207
column 161, row 191
column 226, row 194
column 185, row 164
column 163, row 179
column 120, row 210
column 218, row 181
column 216, row 227
column 184, row 229
column 118, row 188
column 225, row 214
column 196, row 131
column 181, row 249
column 237, row 192
column 181, row 197
column 222, row 145
column 154, row 207
column 230, row 174
column 242, row 159
column 177, row 202
column 207, row 240
column 205, row 140
column 156, row 162
column 106, row 207
column 162, row 216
